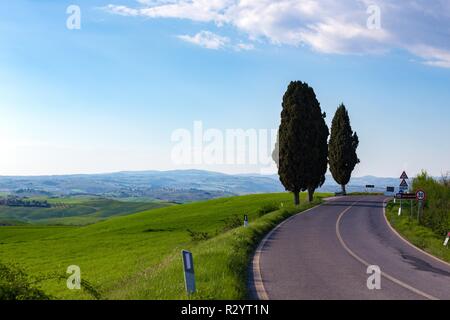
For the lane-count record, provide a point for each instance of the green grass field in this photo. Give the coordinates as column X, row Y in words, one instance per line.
column 73, row 211
column 420, row 236
column 138, row 256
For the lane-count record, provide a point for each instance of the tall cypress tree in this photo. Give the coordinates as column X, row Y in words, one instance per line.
column 342, row 147
column 302, row 141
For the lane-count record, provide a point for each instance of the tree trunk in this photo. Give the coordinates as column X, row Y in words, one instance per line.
column 311, row 194
column 343, row 189
column 296, row 198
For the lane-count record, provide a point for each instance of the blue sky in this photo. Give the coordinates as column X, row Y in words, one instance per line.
column 108, row 96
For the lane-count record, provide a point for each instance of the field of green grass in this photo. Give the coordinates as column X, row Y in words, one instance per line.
column 138, row 256
column 73, row 211
column 419, row 235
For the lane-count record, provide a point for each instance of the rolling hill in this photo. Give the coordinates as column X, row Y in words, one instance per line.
column 177, row 185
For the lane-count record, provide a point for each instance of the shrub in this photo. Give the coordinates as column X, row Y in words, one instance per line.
column 15, row 284
column 232, row 222
column 436, row 211
column 198, row 235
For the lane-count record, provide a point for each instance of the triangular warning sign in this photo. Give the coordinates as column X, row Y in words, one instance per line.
column 403, row 183
column 404, row 175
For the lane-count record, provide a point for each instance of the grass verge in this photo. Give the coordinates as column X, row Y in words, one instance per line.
column 221, row 263
column 420, row 236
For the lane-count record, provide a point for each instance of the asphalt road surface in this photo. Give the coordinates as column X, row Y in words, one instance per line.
column 325, row 253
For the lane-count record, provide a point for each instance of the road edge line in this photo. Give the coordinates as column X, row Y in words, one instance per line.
column 361, row 260
column 406, row 241
column 256, row 281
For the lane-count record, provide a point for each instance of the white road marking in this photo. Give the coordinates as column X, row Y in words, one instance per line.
column 384, row 274
column 258, row 282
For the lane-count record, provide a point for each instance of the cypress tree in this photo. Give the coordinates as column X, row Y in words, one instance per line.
column 302, row 141
column 342, row 147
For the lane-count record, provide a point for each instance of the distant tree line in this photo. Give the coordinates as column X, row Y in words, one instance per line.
column 12, row 201
column 302, row 151
column 29, row 191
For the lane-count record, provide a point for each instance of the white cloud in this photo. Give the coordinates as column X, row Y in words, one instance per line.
column 206, row 39
column 122, row 10
column 333, row 36
column 244, row 46
column 432, row 56
column 421, row 27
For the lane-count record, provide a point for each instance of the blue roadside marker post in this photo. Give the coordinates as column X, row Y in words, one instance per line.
column 189, row 276
column 246, row 221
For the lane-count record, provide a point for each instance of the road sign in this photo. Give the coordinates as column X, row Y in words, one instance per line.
column 390, row 191
column 370, row 186
column 403, row 195
column 421, row 195
column 189, row 277
column 404, row 176
column 403, row 185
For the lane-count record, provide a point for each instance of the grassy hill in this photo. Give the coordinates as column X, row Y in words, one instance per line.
column 138, row 256
column 73, row 211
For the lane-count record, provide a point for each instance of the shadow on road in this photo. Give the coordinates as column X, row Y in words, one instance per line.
column 422, row 265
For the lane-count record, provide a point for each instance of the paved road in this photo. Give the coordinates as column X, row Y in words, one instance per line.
column 324, row 254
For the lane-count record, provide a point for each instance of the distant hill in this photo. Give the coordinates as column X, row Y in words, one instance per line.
column 176, row 185
column 356, row 184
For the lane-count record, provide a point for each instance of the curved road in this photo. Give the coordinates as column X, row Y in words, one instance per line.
column 324, row 253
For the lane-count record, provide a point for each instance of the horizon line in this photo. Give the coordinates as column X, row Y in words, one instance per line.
column 165, row 171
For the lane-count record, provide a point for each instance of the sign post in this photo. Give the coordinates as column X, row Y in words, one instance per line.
column 189, row 276
column 402, row 188
column 420, row 196
column 245, row 220
column 418, row 210
column 411, row 207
